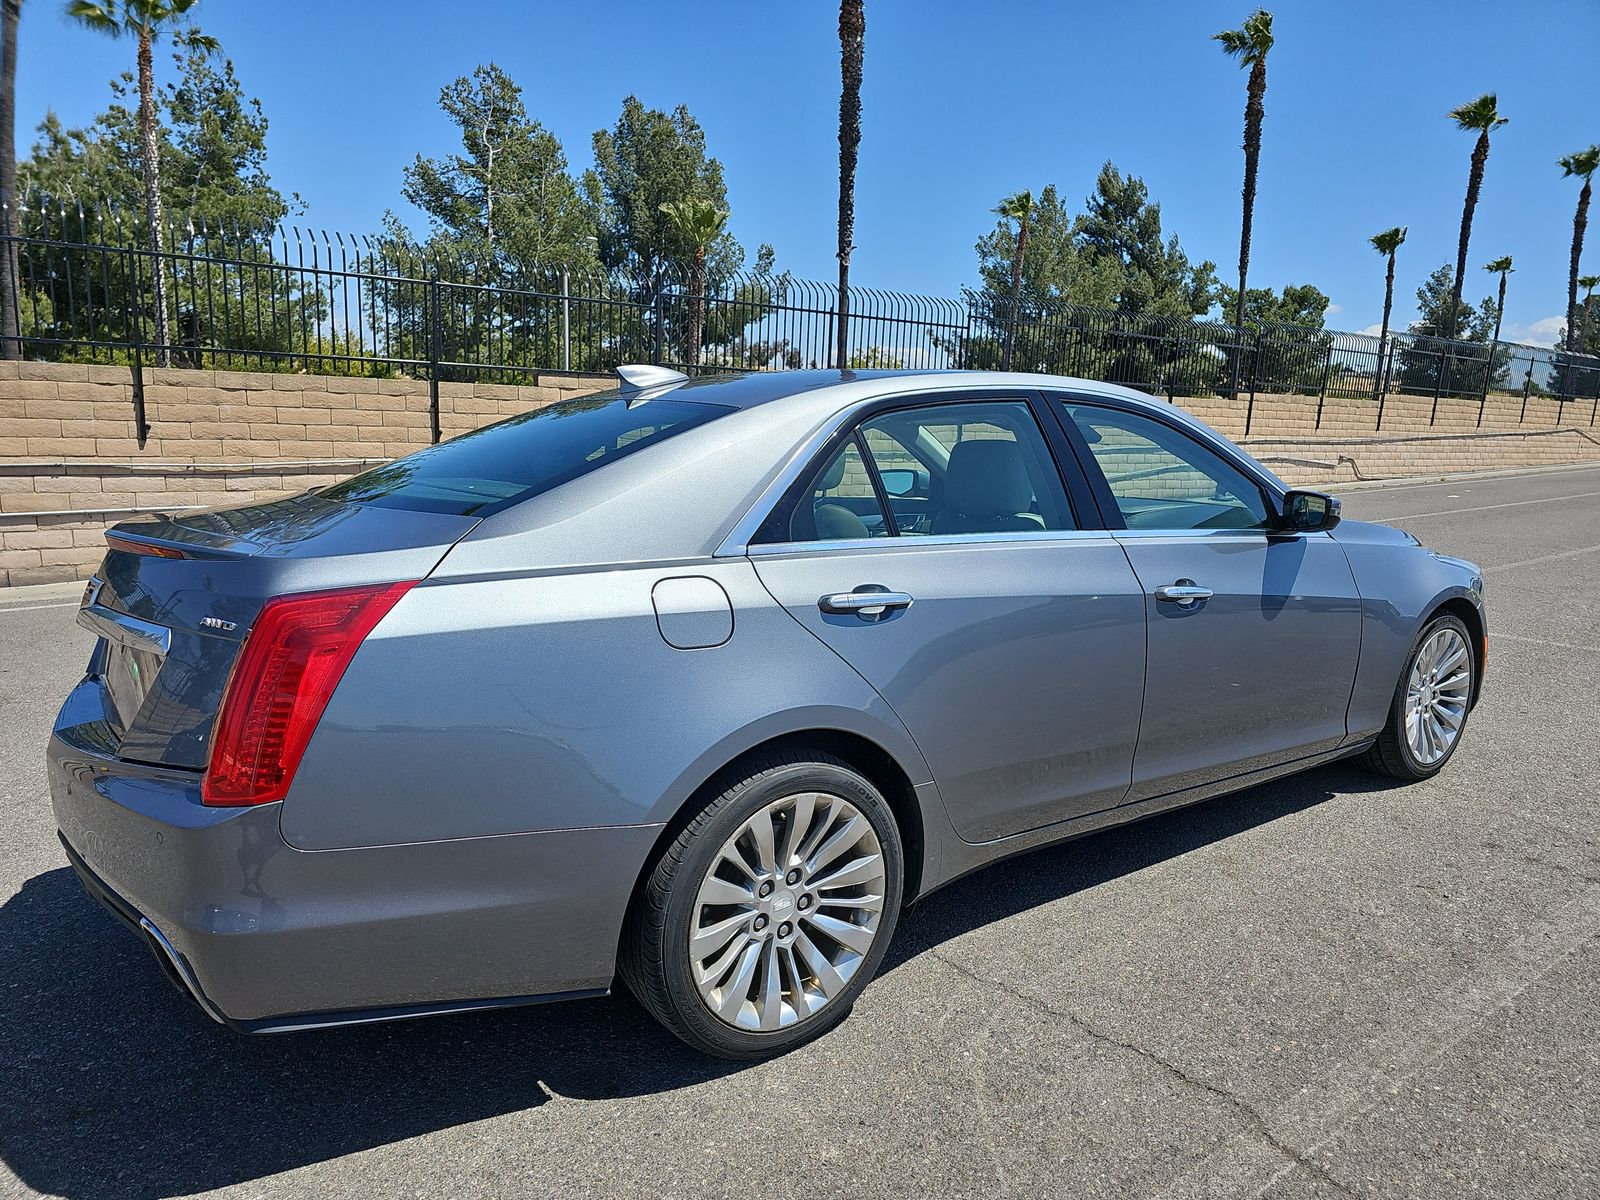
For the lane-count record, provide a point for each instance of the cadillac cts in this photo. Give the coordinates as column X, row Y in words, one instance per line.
column 699, row 683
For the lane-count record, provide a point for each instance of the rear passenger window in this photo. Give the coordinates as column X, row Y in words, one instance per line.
column 964, row 468
column 843, row 505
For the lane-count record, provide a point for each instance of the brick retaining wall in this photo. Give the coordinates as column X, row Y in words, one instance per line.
column 70, row 463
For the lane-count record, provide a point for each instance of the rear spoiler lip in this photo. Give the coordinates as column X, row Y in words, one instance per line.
column 188, row 549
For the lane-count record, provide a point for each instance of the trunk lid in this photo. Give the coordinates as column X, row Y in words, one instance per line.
column 170, row 628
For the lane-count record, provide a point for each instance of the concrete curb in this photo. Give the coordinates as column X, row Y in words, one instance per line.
column 31, row 595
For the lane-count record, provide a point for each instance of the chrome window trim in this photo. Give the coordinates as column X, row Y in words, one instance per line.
column 913, row 541
column 1259, row 534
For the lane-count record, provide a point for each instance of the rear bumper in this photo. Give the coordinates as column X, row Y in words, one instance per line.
column 267, row 937
column 173, row 965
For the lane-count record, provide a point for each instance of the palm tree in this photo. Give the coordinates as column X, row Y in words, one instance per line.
column 1501, row 267
column 146, row 20
column 1482, row 115
column 1582, row 164
column 10, row 325
column 852, row 46
column 1017, row 207
column 699, row 223
column 1249, row 44
column 1588, row 283
column 1386, row 243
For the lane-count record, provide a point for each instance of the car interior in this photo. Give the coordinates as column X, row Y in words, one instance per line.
column 949, row 469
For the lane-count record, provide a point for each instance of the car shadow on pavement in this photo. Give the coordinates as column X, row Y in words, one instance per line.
column 112, row 1085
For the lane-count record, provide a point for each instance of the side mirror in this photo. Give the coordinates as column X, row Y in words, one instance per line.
column 1309, row 512
column 898, row 481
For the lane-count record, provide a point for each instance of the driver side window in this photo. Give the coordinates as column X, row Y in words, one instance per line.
column 1164, row 479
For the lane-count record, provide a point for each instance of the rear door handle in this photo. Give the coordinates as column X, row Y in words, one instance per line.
column 870, row 601
column 1184, row 593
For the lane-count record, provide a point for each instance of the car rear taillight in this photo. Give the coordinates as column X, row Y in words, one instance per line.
column 289, row 665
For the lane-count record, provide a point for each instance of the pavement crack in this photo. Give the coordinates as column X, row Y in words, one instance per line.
column 1243, row 1108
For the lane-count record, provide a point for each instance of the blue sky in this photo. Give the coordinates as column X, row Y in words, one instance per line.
column 963, row 103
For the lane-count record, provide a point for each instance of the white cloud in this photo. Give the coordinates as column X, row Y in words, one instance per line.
column 1373, row 330
column 1335, row 308
column 1542, row 332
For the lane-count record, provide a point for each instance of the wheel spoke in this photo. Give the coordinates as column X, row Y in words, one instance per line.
column 846, row 836
column 805, row 807
column 710, row 976
column 853, row 937
column 738, row 990
column 771, row 990
column 760, row 828
column 711, row 939
column 862, row 870
column 819, row 827
column 872, row 904
column 1437, row 730
column 800, row 998
column 829, row 979
column 716, row 890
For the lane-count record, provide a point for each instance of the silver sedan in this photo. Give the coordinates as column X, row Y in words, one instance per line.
column 698, row 683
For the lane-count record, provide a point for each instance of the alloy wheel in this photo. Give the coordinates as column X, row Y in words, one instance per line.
column 788, row 911
column 1437, row 692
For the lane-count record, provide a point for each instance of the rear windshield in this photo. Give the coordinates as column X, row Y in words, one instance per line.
column 502, row 464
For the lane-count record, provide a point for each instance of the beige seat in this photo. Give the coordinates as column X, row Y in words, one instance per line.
column 835, row 522
column 986, row 490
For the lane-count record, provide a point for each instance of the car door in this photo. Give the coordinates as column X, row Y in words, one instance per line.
column 1008, row 638
column 1254, row 633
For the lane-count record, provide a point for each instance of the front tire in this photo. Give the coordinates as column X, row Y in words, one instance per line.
column 765, row 918
column 1431, row 703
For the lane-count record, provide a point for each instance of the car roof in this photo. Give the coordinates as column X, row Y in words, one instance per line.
column 827, row 391
column 832, row 388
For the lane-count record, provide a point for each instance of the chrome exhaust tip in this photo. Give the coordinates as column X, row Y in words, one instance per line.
column 179, row 968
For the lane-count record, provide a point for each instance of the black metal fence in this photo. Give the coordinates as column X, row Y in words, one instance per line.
column 294, row 300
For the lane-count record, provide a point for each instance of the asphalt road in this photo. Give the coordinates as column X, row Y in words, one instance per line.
column 1328, row 986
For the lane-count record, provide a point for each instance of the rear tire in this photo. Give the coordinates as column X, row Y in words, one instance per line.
column 1431, row 703
column 764, row 919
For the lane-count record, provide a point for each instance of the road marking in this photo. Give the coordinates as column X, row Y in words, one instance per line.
column 37, row 607
column 1450, row 512
column 1543, row 558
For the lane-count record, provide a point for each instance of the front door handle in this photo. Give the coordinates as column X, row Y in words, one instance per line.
column 870, row 602
column 1185, row 593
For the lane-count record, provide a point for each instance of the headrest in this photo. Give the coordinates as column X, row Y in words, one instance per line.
column 833, row 475
column 987, row 477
